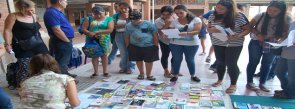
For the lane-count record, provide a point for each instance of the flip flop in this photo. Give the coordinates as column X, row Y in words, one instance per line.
column 93, row 75
column 106, row 75
column 151, row 78
column 140, row 77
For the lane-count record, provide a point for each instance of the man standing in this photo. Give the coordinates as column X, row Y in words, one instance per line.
column 114, row 51
column 61, row 34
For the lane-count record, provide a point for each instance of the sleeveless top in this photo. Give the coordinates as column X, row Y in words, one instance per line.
column 23, row 31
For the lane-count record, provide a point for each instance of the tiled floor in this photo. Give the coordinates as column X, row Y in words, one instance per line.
column 207, row 77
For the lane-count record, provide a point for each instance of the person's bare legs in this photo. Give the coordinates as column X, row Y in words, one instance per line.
column 203, row 46
column 149, row 66
column 95, row 65
column 140, row 67
column 104, row 61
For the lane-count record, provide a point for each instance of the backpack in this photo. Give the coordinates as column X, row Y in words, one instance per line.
column 82, row 22
column 11, row 74
column 76, row 58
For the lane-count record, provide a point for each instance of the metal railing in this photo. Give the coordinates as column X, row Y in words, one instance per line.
column 175, row 2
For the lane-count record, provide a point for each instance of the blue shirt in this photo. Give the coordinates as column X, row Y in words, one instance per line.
column 141, row 35
column 5, row 100
column 206, row 16
column 53, row 17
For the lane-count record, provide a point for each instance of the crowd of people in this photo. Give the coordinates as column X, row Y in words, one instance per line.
column 43, row 79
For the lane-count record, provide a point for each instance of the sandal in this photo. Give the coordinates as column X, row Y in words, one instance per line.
column 93, row 75
column 168, row 75
column 106, row 75
column 128, row 72
column 231, row 90
column 216, row 84
column 140, row 77
column 151, row 78
column 122, row 71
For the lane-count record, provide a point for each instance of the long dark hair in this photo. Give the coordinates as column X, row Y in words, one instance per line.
column 43, row 62
column 228, row 19
column 189, row 16
column 280, row 18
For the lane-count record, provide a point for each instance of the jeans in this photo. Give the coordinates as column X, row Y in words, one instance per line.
column 285, row 71
column 62, row 52
column 113, row 53
column 5, row 102
column 255, row 53
column 177, row 54
column 125, row 64
column 165, row 54
column 228, row 57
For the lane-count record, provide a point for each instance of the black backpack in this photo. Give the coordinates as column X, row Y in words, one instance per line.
column 11, row 75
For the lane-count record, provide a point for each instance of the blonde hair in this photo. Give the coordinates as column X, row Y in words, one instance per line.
column 22, row 5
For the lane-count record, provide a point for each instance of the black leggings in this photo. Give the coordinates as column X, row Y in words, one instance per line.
column 228, row 57
column 165, row 54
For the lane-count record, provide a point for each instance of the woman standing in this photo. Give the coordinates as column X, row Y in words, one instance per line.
column 100, row 28
column 227, row 52
column 121, row 19
column 142, row 43
column 165, row 22
column 271, row 25
column 187, row 44
column 23, row 25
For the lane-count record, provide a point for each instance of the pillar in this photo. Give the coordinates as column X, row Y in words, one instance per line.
column 130, row 2
column 247, row 10
column 88, row 7
column 206, row 6
column 147, row 10
column 112, row 9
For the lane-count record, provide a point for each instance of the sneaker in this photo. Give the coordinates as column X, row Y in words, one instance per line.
column 195, row 78
column 202, row 54
column 208, row 59
column 251, row 86
column 173, row 79
column 263, row 88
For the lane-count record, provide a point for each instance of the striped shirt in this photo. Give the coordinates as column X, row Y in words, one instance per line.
column 239, row 22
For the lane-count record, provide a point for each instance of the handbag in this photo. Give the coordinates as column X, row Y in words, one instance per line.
column 92, row 49
column 32, row 42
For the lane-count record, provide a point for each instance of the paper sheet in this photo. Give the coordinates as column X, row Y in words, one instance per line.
column 222, row 35
column 287, row 42
column 171, row 33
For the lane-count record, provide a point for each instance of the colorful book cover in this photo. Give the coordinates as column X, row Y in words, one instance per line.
column 150, row 103
column 254, row 106
column 218, row 103
column 137, row 102
column 205, row 103
column 239, row 105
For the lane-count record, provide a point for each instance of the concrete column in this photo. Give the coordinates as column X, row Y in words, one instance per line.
column 206, row 6
column 70, row 14
column 88, row 7
column 147, row 10
column 130, row 2
column 48, row 3
column 289, row 8
column 247, row 10
column 111, row 9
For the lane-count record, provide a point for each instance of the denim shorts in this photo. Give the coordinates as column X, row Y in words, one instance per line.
column 146, row 54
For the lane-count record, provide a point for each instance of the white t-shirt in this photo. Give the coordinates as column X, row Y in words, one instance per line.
column 159, row 22
column 120, row 21
column 188, row 40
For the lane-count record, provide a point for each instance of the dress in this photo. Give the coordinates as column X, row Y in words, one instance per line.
column 45, row 91
column 22, row 31
column 104, row 39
